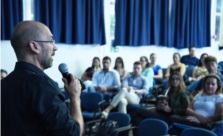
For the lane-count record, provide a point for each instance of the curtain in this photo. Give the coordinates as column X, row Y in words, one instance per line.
column 73, row 21
column 141, row 22
column 11, row 14
column 190, row 23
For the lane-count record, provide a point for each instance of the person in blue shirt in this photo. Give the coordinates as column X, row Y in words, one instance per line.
column 190, row 59
column 105, row 81
column 157, row 69
column 147, row 71
column 134, row 86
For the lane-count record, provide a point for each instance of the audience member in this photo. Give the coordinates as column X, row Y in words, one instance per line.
column 158, row 73
column 207, row 105
column 147, row 71
column 206, row 108
column 133, row 87
column 176, row 66
column 105, row 81
column 119, row 66
column 87, row 75
column 32, row 103
column 200, row 70
column 4, row 73
column 212, row 67
column 177, row 102
column 190, row 59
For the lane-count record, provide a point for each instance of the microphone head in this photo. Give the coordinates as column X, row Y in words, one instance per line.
column 63, row 68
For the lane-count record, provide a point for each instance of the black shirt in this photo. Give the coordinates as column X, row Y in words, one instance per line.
column 33, row 105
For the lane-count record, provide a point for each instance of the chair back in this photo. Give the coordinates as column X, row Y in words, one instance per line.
column 164, row 72
column 89, row 101
column 220, row 66
column 122, row 118
column 189, row 71
column 153, row 127
column 220, row 63
column 197, row 132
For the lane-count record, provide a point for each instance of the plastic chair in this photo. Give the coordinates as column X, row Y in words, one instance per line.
column 220, row 66
column 153, row 127
column 91, row 105
column 149, row 127
column 188, row 73
column 122, row 118
column 220, row 63
column 197, row 132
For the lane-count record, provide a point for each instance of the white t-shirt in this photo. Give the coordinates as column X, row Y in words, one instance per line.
column 206, row 104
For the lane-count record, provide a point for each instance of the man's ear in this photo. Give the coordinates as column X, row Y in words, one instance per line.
column 34, row 46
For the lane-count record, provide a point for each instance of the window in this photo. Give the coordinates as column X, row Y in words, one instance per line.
column 217, row 27
column 28, row 9
column 112, row 19
column 219, row 23
column 218, row 7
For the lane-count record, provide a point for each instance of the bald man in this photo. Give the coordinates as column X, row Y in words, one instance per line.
column 32, row 103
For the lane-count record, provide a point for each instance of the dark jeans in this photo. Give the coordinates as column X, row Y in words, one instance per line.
column 141, row 113
column 176, row 129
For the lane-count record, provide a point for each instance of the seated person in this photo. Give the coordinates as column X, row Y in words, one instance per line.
column 147, row 71
column 207, row 106
column 212, row 67
column 105, row 81
column 158, row 73
column 4, row 73
column 200, row 70
column 176, row 66
column 177, row 103
column 190, row 59
column 119, row 66
column 87, row 75
column 133, row 86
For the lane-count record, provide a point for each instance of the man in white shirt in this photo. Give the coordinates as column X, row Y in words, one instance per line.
column 105, row 81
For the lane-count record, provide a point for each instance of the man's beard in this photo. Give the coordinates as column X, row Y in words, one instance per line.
column 46, row 61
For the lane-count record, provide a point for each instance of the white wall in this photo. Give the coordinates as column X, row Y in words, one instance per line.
column 79, row 57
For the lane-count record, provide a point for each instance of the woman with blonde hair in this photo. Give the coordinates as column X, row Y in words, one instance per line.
column 207, row 106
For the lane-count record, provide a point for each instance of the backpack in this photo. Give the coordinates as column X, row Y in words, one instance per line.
column 103, row 128
column 107, row 127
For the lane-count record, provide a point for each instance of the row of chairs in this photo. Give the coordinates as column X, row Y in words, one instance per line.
column 153, row 127
column 93, row 104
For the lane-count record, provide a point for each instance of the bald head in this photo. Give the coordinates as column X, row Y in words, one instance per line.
column 25, row 32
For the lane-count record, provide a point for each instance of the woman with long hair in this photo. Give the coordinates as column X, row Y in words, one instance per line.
column 200, row 70
column 88, row 73
column 147, row 71
column 176, row 102
column 119, row 66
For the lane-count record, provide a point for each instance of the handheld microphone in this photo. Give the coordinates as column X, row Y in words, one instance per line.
column 64, row 71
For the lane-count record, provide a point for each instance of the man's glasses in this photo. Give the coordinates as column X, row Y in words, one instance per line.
column 52, row 41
